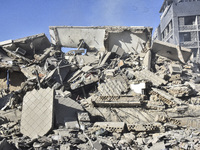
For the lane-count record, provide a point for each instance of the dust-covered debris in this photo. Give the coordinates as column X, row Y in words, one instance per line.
column 113, row 91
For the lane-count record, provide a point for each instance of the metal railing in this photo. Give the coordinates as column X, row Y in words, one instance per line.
column 189, row 44
column 168, row 36
column 187, row 27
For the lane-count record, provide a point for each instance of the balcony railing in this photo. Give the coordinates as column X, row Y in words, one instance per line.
column 168, row 36
column 189, row 44
column 187, row 27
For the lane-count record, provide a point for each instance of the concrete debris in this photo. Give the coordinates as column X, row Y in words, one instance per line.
column 66, row 110
column 171, row 51
column 37, row 113
column 113, row 86
column 149, row 76
column 114, row 90
column 109, row 126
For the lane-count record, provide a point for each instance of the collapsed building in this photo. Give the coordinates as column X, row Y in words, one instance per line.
column 114, row 90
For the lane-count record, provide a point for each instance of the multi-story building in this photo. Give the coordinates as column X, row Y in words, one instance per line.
column 180, row 24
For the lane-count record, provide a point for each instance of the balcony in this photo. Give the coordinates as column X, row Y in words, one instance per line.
column 187, row 27
column 189, row 44
column 168, row 36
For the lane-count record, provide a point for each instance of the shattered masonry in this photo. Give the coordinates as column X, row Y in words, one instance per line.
column 116, row 89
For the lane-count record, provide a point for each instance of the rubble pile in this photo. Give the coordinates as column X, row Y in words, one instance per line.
column 112, row 90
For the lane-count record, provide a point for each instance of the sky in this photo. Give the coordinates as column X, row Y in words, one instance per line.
column 21, row 18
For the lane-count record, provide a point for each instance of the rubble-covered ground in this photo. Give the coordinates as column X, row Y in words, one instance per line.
column 114, row 90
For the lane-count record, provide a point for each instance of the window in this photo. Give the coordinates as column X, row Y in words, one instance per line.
column 184, row 37
column 163, row 35
column 190, row 20
column 194, row 51
column 199, row 35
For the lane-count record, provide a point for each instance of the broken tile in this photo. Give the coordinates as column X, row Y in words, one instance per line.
column 37, row 113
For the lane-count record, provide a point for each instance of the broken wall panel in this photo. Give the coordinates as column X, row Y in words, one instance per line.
column 150, row 76
column 131, row 39
column 67, row 36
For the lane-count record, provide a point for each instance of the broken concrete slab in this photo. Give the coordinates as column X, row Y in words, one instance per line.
column 150, row 76
column 167, row 98
column 111, row 35
column 106, row 57
column 113, row 87
column 170, row 51
column 130, row 39
column 37, row 113
column 66, row 111
column 126, row 61
column 32, row 44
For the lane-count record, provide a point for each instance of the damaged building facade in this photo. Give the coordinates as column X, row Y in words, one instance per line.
column 180, row 24
column 114, row 89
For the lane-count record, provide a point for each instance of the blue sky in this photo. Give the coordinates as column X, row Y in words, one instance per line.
column 21, row 18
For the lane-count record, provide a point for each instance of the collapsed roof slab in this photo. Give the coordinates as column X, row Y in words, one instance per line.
column 131, row 39
column 171, row 51
column 35, row 44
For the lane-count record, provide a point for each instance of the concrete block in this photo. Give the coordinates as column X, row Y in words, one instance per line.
column 110, row 126
column 141, row 127
column 83, row 117
column 118, row 50
column 175, row 69
column 71, row 124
